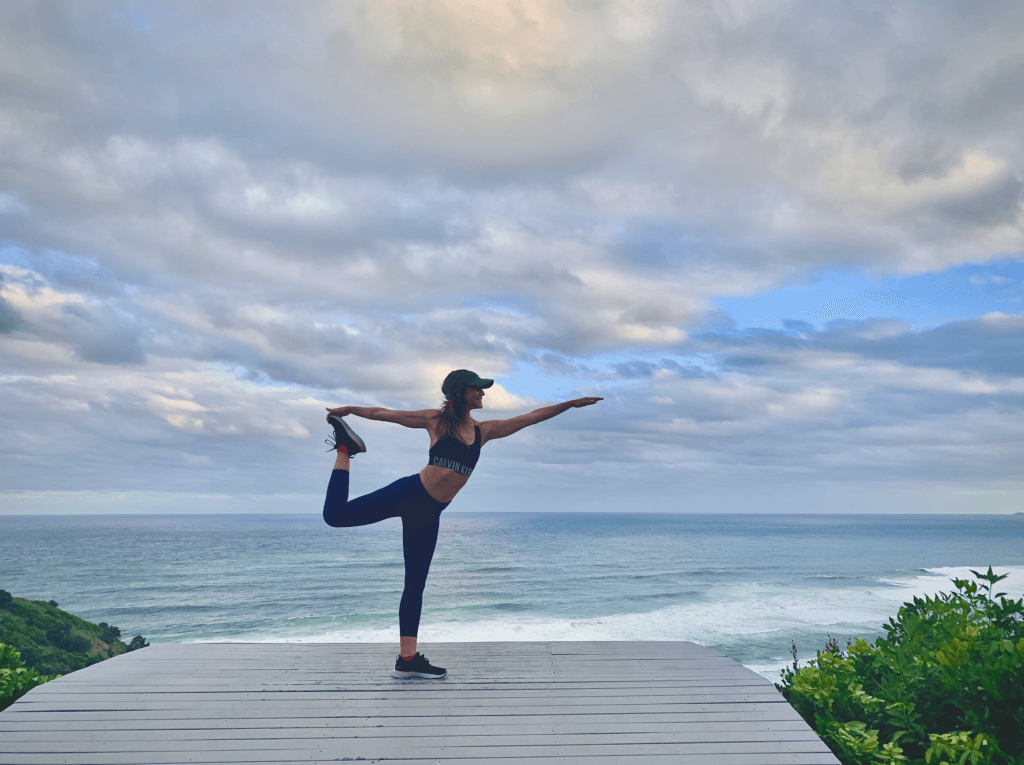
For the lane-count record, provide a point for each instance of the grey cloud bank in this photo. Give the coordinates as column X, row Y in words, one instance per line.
column 215, row 220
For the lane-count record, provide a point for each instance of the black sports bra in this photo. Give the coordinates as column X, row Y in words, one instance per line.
column 449, row 452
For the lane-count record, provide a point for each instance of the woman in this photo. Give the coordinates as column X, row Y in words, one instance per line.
column 455, row 442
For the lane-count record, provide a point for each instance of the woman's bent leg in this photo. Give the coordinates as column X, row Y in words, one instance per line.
column 339, row 512
column 337, row 496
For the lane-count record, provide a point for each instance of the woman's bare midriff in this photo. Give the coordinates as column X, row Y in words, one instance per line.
column 441, row 483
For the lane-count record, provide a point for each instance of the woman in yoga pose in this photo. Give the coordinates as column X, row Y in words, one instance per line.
column 418, row 499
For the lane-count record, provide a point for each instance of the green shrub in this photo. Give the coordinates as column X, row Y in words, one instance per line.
column 15, row 678
column 6, row 599
column 944, row 686
column 110, row 633
column 60, row 636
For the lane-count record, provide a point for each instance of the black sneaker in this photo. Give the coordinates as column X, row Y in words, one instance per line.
column 344, row 436
column 417, row 666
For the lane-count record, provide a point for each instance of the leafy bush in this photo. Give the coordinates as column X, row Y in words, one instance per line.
column 58, row 632
column 60, row 636
column 15, row 678
column 110, row 633
column 137, row 642
column 944, row 686
column 6, row 599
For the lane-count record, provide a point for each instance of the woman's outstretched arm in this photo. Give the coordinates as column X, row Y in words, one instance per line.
column 418, row 419
column 490, row 429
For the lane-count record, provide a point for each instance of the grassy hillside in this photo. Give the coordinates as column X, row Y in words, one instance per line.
column 54, row 642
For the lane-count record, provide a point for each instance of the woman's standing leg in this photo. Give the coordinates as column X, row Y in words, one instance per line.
column 419, row 539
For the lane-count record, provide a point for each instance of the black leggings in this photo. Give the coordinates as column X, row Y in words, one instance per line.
column 420, row 514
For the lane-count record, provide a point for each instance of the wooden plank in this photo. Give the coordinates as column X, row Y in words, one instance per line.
column 312, row 758
column 259, row 739
column 58, row 720
column 568, row 723
column 413, row 686
column 387, row 684
column 265, row 711
column 623, row 696
column 394, row 748
column 271, row 749
column 349, row 694
column 701, row 731
column 745, row 754
column 484, row 707
column 379, row 672
column 282, row 750
column 329, row 702
column 590, row 686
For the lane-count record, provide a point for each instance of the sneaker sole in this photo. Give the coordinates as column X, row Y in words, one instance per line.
column 352, row 437
column 407, row 675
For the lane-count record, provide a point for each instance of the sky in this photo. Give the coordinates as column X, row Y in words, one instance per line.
column 783, row 240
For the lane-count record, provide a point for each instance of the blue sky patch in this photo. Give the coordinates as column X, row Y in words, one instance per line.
column 928, row 300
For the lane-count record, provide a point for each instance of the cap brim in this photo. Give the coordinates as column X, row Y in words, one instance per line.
column 485, row 384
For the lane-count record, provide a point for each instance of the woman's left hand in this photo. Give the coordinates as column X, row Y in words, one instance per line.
column 578, row 402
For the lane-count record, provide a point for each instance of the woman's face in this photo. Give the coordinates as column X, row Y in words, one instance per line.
column 475, row 397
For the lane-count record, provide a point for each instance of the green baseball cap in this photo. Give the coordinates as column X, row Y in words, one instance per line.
column 463, row 378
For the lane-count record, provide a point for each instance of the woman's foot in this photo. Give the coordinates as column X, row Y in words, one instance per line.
column 417, row 666
column 344, row 436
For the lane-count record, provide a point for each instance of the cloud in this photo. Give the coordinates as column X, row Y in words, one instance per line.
column 985, row 279
column 214, row 212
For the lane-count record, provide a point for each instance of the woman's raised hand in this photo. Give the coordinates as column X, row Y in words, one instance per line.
column 341, row 411
column 578, row 402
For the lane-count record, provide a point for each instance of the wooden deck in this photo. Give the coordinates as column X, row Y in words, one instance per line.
column 502, row 704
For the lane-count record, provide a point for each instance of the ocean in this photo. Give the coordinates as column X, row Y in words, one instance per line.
column 749, row 586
